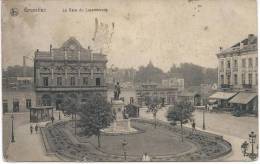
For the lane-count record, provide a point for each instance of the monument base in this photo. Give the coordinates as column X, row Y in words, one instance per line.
column 120, row 127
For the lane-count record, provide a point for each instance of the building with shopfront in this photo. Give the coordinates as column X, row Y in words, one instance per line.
column 18, row 94
column 68, row 71
column 238, row 76
column 148, row 90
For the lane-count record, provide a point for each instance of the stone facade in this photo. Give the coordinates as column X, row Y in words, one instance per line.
column 70, row 70
column 237, row 65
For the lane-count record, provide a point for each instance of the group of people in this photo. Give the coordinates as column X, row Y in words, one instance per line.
column 36, row 128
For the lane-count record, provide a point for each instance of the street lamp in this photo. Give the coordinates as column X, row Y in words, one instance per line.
column 244, row 147
column 12, row 118
column 59, row 114
column 203, row 126
column 124, row 143
column 154, row 116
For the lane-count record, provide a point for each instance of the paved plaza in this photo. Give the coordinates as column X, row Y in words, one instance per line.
column 218, row 123
column 27, row 147
column 234, row 129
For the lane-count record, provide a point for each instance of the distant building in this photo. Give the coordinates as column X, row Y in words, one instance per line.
column 114, row 75
column 167, row 94
column 173, row 83
column 68, row 71
column 17, row 82
column 18, row 94
column 238, row 75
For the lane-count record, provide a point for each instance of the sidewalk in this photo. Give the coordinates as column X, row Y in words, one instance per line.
column 27, row 146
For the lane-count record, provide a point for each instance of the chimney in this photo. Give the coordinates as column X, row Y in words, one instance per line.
column 241, row 45
column 50, row 49
column 24, row 66
column 250, row 38
column 220, row 49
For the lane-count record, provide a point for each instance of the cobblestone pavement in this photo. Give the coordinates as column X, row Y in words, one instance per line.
column 233, row 129
column 27, row 147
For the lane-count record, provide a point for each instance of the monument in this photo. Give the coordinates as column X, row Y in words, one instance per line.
column 122, row 124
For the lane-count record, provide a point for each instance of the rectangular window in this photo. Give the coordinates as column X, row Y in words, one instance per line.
column 59, row 81
column 256, row 62
column 85, row 81
column 228, row 64
column 235, row 63
column 16, row 106
column 235, row 79
column 244, row 63
column 97, row 81
column 45, row 81
column 243, row 78
column 250, row 78
column 228, row 79
column 5, row 106
column 28, row 103
column 222, row 65
column 222, row 79
column 250, row 63
column 72, row 81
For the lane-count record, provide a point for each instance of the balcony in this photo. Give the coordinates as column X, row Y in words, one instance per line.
column 70, row 88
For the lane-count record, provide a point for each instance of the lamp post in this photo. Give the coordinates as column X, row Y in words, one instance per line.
column 59, row 114
column 154, row 116
column 203, row 126
column 124, row 143
column 12, row 118
column 244, row 147
column 181, row 125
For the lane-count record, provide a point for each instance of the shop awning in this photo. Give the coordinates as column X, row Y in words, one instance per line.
column 222, row 95
column 212, row 101
column 243, row 98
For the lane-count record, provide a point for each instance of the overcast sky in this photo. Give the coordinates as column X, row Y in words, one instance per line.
column 165, row 32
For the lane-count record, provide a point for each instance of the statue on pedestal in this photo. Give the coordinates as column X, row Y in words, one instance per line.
column 117, row 91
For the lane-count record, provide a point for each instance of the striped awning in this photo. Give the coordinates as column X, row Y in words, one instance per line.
column 222, row 95
column 243, row 98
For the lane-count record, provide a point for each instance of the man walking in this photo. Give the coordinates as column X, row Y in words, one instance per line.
column 193, row 127
column 36, row 128
column 31, row 129
column 52, row 119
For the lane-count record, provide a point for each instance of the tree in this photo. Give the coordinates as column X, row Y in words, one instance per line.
column 194, row 75
column 149, row 73
column 181, row 111
column 71, row 106
column 153, row 104
column 95, row 114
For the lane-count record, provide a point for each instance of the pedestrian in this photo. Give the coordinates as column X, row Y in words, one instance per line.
column 36, row 128
column 146, row 158
column 193, row 127
column 31, row 129
column 52, row 119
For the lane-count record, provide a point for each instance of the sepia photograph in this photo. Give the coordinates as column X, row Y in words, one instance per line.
column 129, row 80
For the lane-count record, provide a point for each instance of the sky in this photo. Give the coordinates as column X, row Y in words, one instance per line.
column 165, row 32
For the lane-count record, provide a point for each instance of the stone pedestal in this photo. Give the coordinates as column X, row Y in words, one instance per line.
column 120, row 125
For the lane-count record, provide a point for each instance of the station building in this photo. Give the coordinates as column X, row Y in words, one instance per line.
column 68, row 71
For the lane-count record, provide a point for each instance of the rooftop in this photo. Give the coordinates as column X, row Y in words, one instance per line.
column 247, row 44
column 71, row 49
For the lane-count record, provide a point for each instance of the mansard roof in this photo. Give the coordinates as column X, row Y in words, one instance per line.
column 72, row 44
